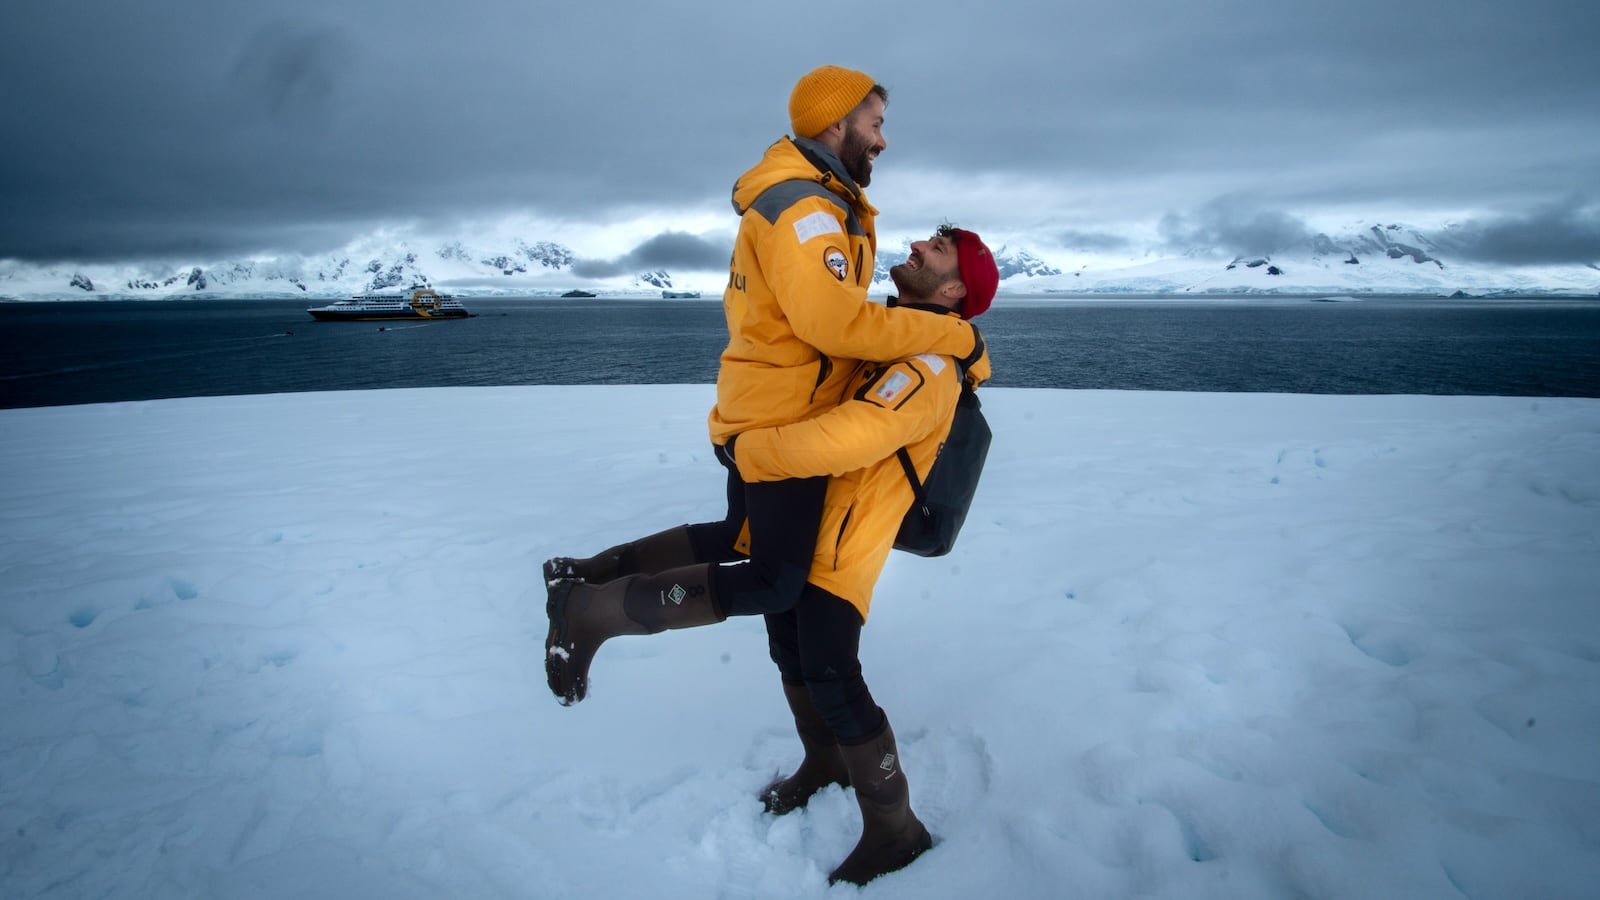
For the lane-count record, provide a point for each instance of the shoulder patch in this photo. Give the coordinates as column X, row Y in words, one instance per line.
column 814, row 225
column 933, row 361
column 891, row 387
column 837, row 262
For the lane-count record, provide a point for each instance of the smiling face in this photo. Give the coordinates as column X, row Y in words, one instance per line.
column 931, row 273
column 863, row 139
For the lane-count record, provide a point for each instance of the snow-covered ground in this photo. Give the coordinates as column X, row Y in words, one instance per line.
column 1190, row 645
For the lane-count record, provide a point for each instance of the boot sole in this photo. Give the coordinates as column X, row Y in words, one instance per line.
column 557, row 568
column 556, row 642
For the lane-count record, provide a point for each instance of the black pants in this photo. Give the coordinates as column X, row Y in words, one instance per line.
column 813, row 636
column 785, row 517
column 818, row 643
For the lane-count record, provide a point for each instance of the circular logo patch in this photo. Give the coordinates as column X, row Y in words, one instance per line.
column 835, row 259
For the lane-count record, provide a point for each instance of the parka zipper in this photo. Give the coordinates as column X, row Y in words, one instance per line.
column 824, row 369
column 838, row 539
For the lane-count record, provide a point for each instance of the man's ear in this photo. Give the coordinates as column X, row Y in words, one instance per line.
column 833, row 133
column 954, row 289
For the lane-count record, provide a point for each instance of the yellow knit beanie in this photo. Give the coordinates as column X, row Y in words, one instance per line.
column 825, row 95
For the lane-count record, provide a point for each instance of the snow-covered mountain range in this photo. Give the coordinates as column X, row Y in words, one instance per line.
column 1361, row 259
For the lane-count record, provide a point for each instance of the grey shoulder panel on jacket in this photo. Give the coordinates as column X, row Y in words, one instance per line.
column 776, row 199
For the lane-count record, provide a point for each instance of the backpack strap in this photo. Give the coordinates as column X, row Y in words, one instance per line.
column 971, row 359
column 962, row 365
column 911, row 476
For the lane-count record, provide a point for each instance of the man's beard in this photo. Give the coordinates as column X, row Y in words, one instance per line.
column 915, row 286
column 856, row 154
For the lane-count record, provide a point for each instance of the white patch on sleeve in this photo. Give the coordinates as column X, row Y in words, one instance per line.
column 934, row 362
column 890, row 388
column 816, row 225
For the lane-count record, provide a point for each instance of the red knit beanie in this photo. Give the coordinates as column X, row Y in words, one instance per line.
column 978, row 272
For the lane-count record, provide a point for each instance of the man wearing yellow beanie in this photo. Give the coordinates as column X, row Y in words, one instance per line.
column 798, row 322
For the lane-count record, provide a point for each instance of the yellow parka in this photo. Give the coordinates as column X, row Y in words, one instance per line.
column 796, row 301
column 905, row 404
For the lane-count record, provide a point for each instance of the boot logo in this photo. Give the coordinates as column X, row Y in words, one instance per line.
column 888, row 763
column 676, row 595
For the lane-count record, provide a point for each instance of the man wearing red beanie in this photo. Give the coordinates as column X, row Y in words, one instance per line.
column 911, row 404
column 885, row 406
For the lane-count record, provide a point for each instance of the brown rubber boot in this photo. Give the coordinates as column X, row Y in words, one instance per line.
column 654, row 553
column 822, row 765
column 584, row 616
column 891, row 835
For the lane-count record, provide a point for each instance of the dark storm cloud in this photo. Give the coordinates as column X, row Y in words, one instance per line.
column 1567, row 232
column 673, row 250
column 172, row 130
column 217, row 126
column 1558, row 233
column 1231, row 225
column 292, row 70
column 1092, row 240
column 1220, row 85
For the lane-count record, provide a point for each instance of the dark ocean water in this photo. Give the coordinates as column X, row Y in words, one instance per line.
column 54, row 354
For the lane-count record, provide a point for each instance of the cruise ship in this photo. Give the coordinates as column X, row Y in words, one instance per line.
column 418, row 303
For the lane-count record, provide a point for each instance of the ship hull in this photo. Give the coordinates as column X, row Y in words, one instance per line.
column 336, row 315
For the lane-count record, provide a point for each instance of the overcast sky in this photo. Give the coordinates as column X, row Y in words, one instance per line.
column 195, row 129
